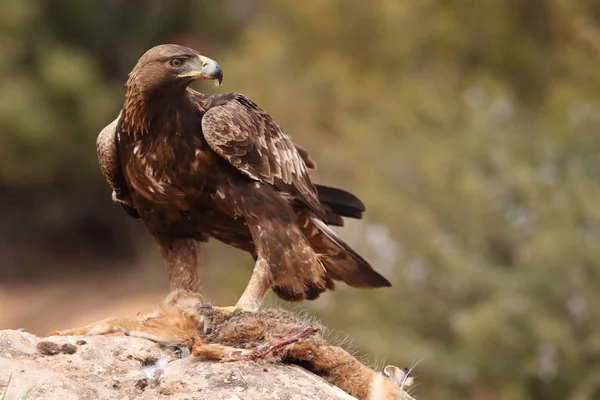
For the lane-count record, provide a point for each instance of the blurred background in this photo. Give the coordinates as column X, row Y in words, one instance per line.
column 470, row 130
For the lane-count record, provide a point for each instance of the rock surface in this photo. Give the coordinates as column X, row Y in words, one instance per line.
column 120, row 367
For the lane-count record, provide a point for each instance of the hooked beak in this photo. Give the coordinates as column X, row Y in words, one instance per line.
column 204, row 68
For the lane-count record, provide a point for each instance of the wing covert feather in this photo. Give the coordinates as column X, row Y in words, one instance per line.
column 106, row 149
column 110, row 166
column 246, row 136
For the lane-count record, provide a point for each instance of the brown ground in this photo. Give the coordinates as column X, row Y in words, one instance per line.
column 42, row 307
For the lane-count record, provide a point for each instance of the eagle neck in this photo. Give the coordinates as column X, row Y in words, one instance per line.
column 143, row 110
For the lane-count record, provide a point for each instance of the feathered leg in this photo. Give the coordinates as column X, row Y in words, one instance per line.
column 181, row 261
column 285, row 261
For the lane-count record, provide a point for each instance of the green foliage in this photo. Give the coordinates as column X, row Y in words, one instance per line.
column 468, row 128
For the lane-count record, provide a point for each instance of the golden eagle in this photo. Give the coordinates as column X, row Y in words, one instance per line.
column 193, row 167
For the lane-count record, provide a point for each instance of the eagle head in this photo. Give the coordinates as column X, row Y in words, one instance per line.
column 170, row 66
column 160, row 75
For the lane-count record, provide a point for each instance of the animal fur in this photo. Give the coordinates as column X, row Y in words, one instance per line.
column 279, row 335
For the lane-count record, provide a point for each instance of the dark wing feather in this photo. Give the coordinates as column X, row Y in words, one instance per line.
column 341, row 202
column 108, row 157
column 246, row 136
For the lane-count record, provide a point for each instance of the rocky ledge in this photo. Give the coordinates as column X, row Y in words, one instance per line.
column 121, row 367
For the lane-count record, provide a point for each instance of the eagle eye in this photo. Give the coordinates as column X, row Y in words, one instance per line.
column 176, row 62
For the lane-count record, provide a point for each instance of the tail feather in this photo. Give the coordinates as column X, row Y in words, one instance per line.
column 341, row 262
column 340, row 202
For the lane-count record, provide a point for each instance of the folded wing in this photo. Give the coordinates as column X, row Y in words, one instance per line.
column 246, row 136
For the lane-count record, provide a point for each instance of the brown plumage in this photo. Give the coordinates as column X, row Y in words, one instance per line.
column 194, row 167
